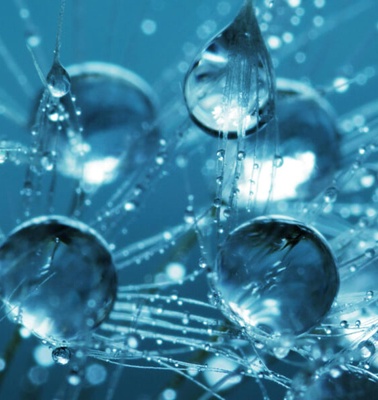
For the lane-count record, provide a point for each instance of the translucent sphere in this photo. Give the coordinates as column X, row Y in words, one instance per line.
column 336, row 383
column 117, row 110
column 309, row 141
column 277, row 275
column 57, row 278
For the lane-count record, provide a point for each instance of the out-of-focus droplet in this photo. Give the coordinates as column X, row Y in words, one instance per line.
column 308, row 152
column 117, row 113
column 229, row 89
column 57, row 278
column 277, row 275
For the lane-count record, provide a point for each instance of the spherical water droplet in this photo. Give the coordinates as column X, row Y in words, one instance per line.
column 230, row 86
column 118, row 111
column 366, row 349
column 57, row 278
column 276, row 274
column 58, row 80
column 61, row 355
column 307, row 159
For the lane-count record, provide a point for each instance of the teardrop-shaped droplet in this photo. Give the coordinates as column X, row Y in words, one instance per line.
column 229, row 89
column 58, row 80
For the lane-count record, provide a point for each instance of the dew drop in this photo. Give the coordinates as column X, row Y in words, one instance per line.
column 366, row 349
column 270, row 273
column 117, row 114
column 330, row 195
column 229, row 88
column 58, row 80
column 50, row 284
column 61, row 355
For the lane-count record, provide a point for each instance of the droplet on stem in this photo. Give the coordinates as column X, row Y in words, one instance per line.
column 229, row 89
column 276, row 276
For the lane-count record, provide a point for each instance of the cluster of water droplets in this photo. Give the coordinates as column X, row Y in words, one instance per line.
column 266, row 279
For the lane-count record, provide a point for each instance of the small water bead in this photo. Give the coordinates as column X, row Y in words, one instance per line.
column 366, row 349
column 276, row 274
column 58, row 80
column 229, row 87
column 57, row 278
column 118, row 111
column 61, row 355
column 336, row 383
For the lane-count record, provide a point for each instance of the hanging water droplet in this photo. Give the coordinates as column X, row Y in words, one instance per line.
column 61, row 355
column 270, row 273
column 58, row 80
column 58, row 289
column 229, row 88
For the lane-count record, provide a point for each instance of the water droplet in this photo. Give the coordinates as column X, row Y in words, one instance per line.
column 229, row 88
column 270, row 273
column 130, row 206
column 330, row 195
column 118, row 136
column 50, row 285
column 366, row 349
column 61, row 355
column 220, row 154
column 202, row 263
column 47, row 161
column 58, row 80
column 344, row 324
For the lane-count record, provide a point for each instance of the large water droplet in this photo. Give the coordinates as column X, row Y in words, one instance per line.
column 309, row 150
column 229, row 88
column 57, row 278
column 58, row 80
column 276, row 274
column 117, row 114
